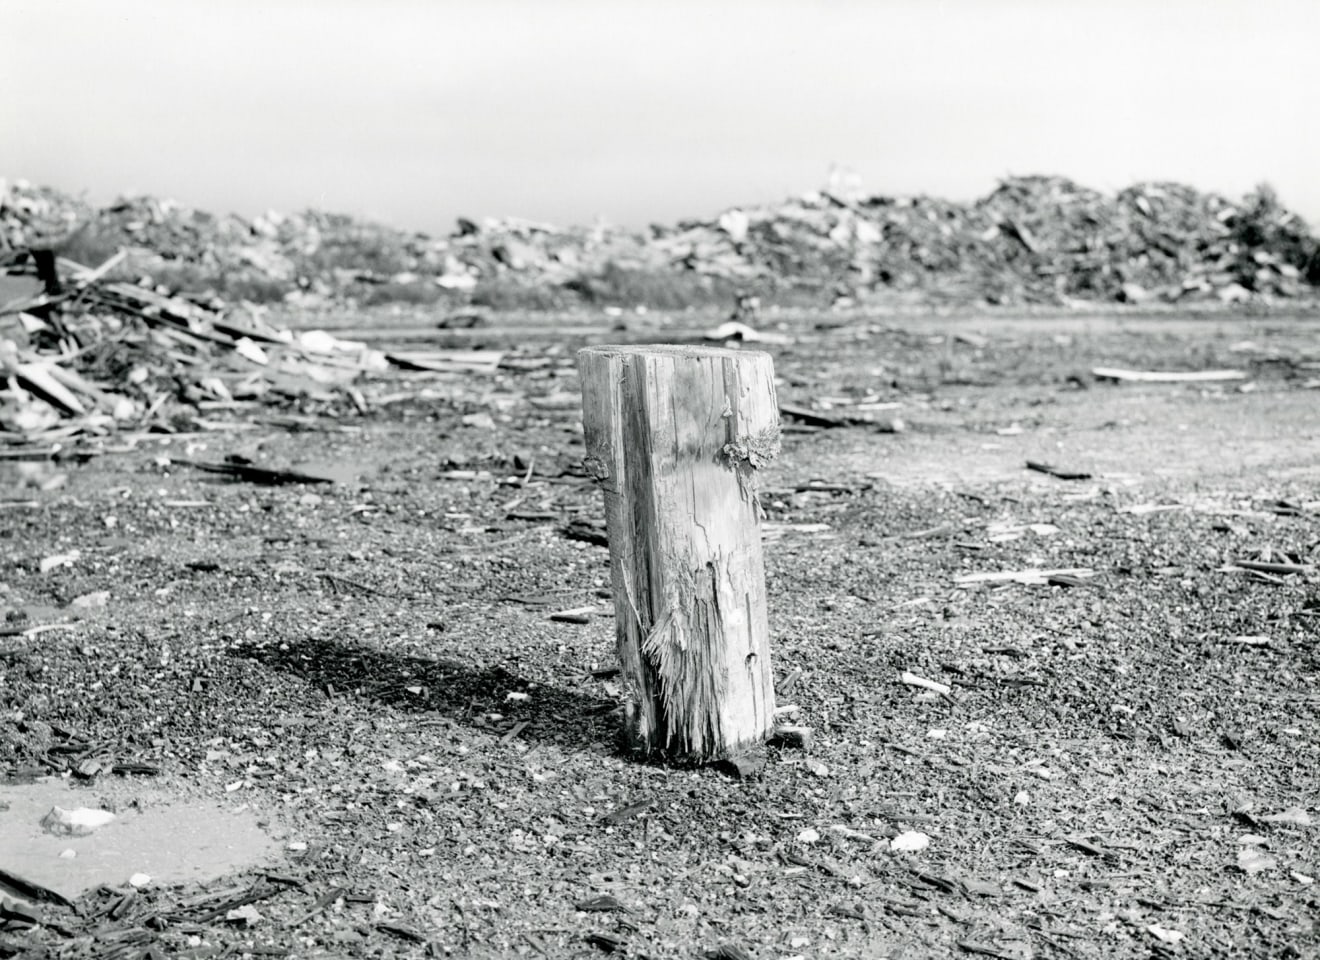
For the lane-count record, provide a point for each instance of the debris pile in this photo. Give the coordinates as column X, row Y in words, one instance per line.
column 310, row 258
column 1032, row 240
column 89, row 357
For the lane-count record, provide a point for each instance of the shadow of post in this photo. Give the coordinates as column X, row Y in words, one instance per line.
column 460, row 692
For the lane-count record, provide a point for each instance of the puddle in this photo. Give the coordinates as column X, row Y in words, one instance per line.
column 171, row 839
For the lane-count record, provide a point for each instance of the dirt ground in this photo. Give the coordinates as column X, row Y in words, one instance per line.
column 1126, row 762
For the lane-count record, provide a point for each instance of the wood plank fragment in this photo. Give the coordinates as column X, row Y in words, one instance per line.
column 1060, row 473
column 1166, row 376
column 447, row 361
column 252, row 473
column 912, row 680
column 1029, row 577
column 29, row 890
column 816, row 418
column 1279, row 568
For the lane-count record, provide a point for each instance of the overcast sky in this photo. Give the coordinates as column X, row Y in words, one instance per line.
column 417, row 111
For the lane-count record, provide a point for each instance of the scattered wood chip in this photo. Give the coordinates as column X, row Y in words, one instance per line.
column 29, row 890
column 321, row 903
column 1293, row 816
column 402, row 932
column 1258, row 576
column 985, row 949
column 818, row 418
column 1279, row 569
column 606, row 942
column 603, row 903
column 447, row 361
column 516, row 729
column 942, row 884
column 1030, row 577
column 728, row 951
column 1166, row 376
column 735, row 330
column 1252, row 641
column 850, row 833
column 849, row 911
column 912, row 680
column 252, row 473
column 816, row 768
column 1079, row 843
column 12, row 911
column 1252, row 860
column 772, row 530
column 628, row 812
column 983, row 888
column 1164, row 934
column 1060, row 473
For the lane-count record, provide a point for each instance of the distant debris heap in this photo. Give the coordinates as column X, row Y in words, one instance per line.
column 1033, row 240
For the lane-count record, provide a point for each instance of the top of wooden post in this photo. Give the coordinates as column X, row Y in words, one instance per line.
column 671, row 349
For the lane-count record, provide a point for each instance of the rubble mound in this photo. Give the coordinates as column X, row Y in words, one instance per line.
column 1031, row 240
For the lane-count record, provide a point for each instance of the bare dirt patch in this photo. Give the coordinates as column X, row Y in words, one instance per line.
column 1125, row 762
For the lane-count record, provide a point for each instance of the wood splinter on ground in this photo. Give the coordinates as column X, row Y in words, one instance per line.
column 675, row 438
column 1166, row 376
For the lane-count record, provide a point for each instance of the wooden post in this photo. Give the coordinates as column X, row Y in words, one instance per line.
column 675, row 436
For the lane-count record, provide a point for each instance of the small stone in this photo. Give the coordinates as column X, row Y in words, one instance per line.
column 1164, row 934
column 481, row 421
column 246, row 915
column 1253, row 860
column 89, row 601
column 816, row 768
column 743, row 766
column 1133, row 293
column 75, row 823
column 910, row 842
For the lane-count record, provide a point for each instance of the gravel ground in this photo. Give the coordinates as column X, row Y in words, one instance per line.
column 1126, row 761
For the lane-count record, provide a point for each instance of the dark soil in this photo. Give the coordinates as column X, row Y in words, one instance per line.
column 1127, row 763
